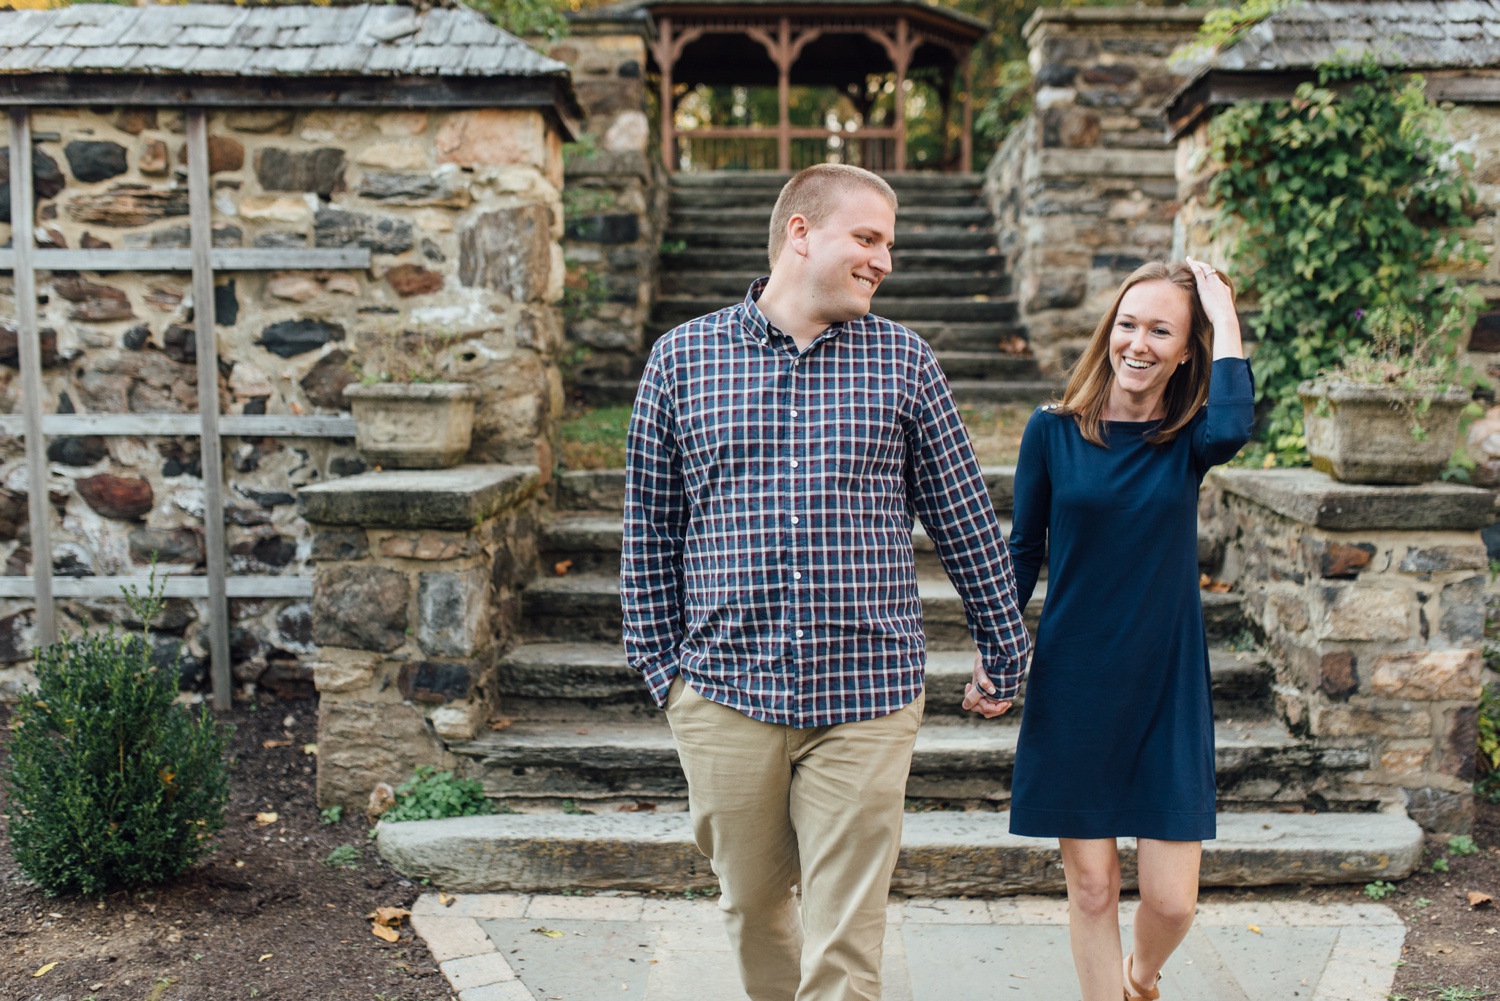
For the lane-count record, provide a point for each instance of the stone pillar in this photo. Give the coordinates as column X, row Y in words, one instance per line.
column 416, row 595
column 615, row 201
column 1371, row 600
column 1084, row 189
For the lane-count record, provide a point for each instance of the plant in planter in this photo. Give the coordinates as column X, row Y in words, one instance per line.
column 407, row 414
column 1389, row 412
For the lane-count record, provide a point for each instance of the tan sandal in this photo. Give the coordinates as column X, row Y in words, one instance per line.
column 1134, row 991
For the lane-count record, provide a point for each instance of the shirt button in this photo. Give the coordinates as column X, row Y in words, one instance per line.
column 797, row 575
column 799, row 634
column 795, row 519
column 794, row 413
column 794, row 463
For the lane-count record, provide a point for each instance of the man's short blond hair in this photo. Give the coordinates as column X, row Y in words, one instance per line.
column 813, row 193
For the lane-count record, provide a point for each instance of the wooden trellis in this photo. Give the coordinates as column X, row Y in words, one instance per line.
column 203, row 260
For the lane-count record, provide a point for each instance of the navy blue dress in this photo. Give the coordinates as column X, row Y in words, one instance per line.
column 1117, row 732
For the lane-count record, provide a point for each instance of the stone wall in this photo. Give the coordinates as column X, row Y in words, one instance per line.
column 615, row 202
column 1084, row 189
column 1372, row 603
column 462, row 211
column 415, row 597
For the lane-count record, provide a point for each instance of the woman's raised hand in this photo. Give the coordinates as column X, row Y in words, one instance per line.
column 1218, row 304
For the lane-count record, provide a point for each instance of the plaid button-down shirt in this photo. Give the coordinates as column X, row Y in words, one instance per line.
column 768, row 516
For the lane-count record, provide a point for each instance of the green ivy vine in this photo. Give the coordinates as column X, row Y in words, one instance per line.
column 1339, row 202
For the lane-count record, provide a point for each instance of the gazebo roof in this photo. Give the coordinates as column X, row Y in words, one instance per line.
column 433, row 57
column 1286, row 48
column 918, row 9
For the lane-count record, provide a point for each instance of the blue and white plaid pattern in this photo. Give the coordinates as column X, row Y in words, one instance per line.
column 768, row 518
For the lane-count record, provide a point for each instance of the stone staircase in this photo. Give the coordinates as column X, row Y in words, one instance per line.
column 947, row 284
column 584, row 736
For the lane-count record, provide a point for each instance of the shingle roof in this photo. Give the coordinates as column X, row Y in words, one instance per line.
column 300, row 41
column 929, row 7
column 1414, row 34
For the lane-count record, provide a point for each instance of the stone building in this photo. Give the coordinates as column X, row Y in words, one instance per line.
column 429, row 142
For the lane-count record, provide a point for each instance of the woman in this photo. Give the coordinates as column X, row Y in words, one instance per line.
column 1117, row 737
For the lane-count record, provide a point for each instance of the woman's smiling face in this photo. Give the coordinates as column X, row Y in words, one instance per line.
column 1149, row 339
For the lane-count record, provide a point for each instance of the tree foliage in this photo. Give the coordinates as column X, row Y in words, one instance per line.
column 1339, row 202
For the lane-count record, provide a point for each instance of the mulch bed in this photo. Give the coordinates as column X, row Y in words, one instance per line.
column 265, row 917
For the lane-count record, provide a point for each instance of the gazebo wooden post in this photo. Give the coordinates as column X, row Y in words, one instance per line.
column 966, row 137
column 783, row 57
column 902, row 61
column 665, row 57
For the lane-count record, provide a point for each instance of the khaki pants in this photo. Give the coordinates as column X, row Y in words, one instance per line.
column 774, row 806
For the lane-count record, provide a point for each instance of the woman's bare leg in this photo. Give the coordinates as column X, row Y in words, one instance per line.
column 1092, row 868
column 1169, row 898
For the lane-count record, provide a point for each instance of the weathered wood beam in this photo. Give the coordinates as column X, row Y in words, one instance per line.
column 220, row 259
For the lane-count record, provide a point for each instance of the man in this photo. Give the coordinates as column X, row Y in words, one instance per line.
column 777, row 451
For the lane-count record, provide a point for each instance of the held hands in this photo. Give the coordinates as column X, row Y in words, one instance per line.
column 979, row 694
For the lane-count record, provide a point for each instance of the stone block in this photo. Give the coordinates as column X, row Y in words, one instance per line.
column 128, row 498
column 1463, row 618
column 82, row 450
column 1337, row 560
column 1338, row 678
column 402, row 123
column 429, row 546
column 455, row 498
column 324, row 383
column 343, row 675
column 1405, row 757
column 361, row 743
column 445, row 187
column 275, row 208
column 1427, row 675
column 1441, row 811
column 126, row 206
column 1460, row 743
column 1361, row 613
column 408, row 280
column 452, row 612
column 492, row 137
column 91, row 160
column 320, row 171
column 326, row 125
column 393, row 154
column 290, row 338
column 154, row 160
column 340, row 544
column 1432, row 559
column 261, row 121
column 361, row 607
column 1364, row 718
column 510, row 251
column 17, row 636
column 613, row 229
column 629, row 133
column 435, row 682
column 166, row 545
column 458, row 721
column 382, row 235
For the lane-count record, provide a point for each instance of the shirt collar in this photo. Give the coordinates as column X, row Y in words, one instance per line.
column 757, row 327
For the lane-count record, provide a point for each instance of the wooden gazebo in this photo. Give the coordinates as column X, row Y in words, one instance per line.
column 816, row 43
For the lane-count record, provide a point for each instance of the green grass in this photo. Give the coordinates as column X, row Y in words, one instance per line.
column 595, row 439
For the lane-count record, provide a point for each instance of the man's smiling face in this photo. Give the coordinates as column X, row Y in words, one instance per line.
column 849, row 253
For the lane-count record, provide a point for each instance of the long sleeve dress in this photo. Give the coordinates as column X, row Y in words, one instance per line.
column 1117, row 734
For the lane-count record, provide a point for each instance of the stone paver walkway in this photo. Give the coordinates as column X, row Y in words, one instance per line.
column 519, row 947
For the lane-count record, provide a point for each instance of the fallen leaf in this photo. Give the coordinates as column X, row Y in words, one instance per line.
column 310, row 749
column 1207, row 583
column 446, row 899
column 380, row 931
column 388, row 915
column 638, row 808
column 500, row 722
column 1254, row 928
column 1477, row 899
column 267, row 818
column 550, row 933
column 294, row 407
column 561, row 567
column 44, row 970
column 265, row 957
column 268, row 744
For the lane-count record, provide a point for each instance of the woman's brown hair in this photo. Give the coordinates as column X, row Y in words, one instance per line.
column 1092, row 376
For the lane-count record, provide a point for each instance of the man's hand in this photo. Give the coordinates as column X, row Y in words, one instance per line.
column 979, row 694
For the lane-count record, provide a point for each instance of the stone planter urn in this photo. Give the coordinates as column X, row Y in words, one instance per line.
column 1362, row 433
column 418, row 425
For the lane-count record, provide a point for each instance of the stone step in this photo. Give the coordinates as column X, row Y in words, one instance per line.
column 734, row 284
column 758, row 218
column 956, row 760
column 604, row 489
column 772, row 180
column 582, row 682
column 1031, row 392
column 977, row 337
column 907, row 238
column 586, row 606
column 904, row 260
column 763, row 196
column 912, row 311
column 987, row 365
column 943, row 854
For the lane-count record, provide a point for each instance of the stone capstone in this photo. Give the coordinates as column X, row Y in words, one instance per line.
column 455, row 498
column 324, row 383
column 382, row 235
column 362, row 607
column 129, row 205
column 320, row 171
column 95, row 160
column 290, row 338
column 128, row 498
column 509, row 250
column 452, row 611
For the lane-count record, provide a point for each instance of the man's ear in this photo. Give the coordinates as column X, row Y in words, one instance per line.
column 797, row 230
